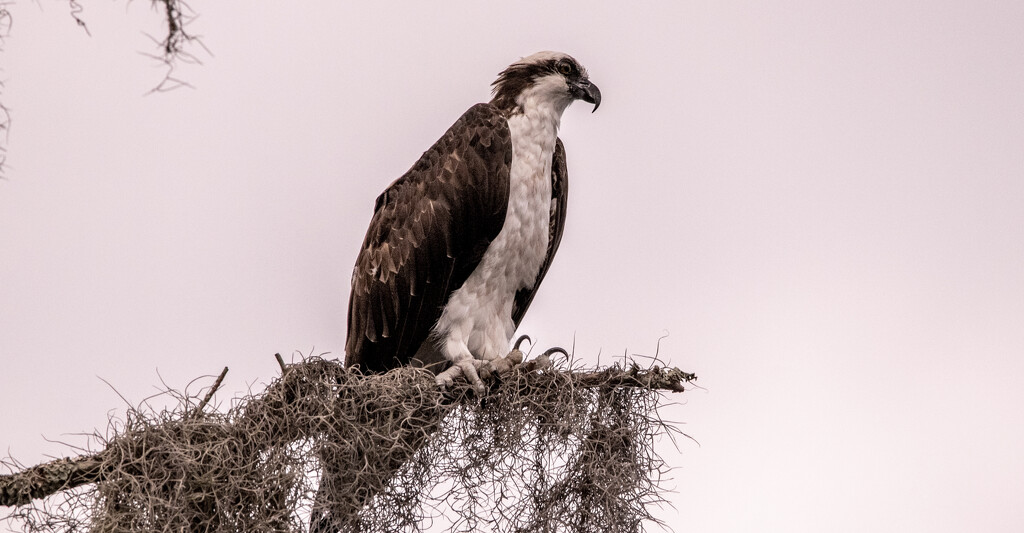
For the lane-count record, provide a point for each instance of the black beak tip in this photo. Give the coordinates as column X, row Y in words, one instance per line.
column 594, row 96
column 588, row 92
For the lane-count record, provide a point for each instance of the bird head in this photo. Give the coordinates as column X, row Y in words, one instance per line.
column 544, row 78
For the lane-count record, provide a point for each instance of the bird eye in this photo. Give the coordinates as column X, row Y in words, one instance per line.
column 564, row 69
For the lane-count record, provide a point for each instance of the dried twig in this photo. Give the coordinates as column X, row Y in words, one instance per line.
column 209, row 395
column 280, row 362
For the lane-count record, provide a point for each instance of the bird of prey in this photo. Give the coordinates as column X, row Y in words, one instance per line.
column 459, row 244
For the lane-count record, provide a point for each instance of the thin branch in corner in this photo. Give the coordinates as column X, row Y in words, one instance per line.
column 76, row 13
column 174, row 44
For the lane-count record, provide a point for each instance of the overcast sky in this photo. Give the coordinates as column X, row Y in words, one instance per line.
column 821, row 204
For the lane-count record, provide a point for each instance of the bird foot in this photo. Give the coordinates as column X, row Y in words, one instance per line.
column 477, row 370
column 470, row 368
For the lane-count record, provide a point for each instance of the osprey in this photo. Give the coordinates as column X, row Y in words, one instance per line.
column 458, row 245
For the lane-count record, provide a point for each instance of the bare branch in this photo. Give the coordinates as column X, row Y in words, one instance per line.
column 209, row 395
column 174, row 43
column 43, row 480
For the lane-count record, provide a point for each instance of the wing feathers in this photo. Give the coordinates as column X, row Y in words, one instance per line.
column 428, row 232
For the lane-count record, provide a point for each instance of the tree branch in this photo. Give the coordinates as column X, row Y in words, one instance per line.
column 45, row 479
column 42, row 480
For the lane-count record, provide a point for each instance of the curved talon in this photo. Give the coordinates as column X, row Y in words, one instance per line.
column 543, row 361
column 520, row 341
column 551, row 351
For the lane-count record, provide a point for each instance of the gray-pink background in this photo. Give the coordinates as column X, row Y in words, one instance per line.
column 821, row 204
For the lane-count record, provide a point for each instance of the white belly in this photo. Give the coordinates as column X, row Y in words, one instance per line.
column 477, row 321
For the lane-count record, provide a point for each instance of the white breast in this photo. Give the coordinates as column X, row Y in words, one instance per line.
column 477, row 320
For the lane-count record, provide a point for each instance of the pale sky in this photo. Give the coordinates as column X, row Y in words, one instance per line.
column 820, row 203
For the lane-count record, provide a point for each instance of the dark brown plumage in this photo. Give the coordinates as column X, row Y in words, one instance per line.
column 429, row 230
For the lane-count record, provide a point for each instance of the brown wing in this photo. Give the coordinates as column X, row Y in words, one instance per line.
column 429, row 230
column 559, row 198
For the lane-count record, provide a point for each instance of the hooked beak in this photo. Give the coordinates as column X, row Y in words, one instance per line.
column 588, row 92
